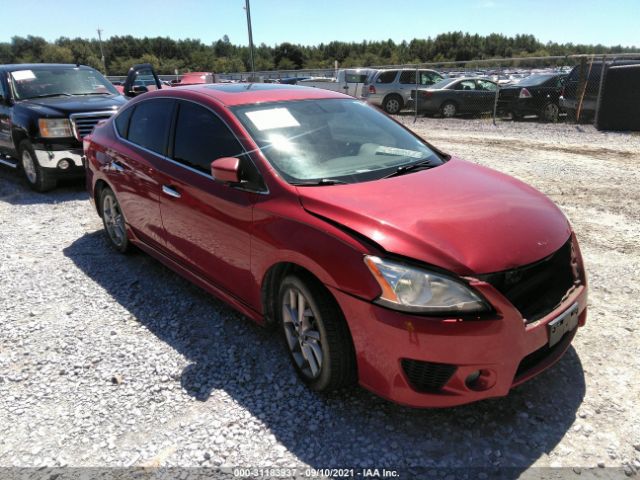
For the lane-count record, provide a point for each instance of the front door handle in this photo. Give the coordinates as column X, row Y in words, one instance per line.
column 170, row 191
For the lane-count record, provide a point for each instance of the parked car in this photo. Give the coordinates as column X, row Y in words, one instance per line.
column 350, row 81
column 391, row 89
column 45, row 111
column 292, row 80
column 456, row 96
column 535, row 95
column 430, row 280
column 195, row 78
column 582, row 86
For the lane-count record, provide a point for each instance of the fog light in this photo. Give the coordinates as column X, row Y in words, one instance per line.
column 480, row 380
column 63, row 164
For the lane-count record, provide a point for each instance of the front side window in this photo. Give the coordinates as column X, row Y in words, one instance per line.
column 201, row 137
column 149, row 124
column 338, row 139
column 53, row 82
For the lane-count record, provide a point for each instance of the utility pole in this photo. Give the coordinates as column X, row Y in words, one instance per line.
column 253, row 68
column 104, row 65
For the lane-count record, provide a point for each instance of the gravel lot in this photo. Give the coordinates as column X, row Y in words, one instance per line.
column 110, row 360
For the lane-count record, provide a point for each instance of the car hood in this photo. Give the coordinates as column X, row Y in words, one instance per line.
column 75, row 104
column 459, row 216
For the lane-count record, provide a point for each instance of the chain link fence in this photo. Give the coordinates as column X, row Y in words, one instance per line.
column 546, row 89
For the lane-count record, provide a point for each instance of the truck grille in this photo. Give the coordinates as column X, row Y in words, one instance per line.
column 538, row 288
column 84, row 123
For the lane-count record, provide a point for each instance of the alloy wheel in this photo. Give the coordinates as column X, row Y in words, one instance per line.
column 302, row 333
column 113, row 220
column 393, row 105
column 449, row 110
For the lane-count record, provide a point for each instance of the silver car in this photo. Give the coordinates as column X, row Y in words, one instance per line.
column 391, row 89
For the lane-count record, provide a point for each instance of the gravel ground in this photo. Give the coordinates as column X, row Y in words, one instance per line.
column 110, row 360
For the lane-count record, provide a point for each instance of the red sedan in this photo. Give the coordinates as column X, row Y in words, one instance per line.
column 429, row 280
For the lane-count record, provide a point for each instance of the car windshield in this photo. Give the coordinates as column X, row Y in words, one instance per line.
column 341, row 140
column 51, row 82
column 534, row 80
column 443, row 83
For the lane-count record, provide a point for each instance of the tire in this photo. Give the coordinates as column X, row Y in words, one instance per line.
column 449, row 109
column 324, row 358
column 114, row 221
column 37, row 178
column 392, row 104
column 549, row 113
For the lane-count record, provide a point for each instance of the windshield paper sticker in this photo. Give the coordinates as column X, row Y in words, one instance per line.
column 401, row 152
column 21, row 75
column 272, row 118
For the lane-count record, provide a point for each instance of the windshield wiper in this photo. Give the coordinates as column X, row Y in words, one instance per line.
column 320, row 182
column 62, row 94
column 94, row 93
column 401, row 170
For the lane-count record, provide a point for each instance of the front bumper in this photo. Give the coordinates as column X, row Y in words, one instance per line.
column 50, row 160
column 504, row 349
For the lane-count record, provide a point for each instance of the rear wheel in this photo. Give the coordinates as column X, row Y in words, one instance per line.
column 113, row 220
column 549, row 112
column 392, row 104
column 37, row 178
column 316, row 334
column 449, row 109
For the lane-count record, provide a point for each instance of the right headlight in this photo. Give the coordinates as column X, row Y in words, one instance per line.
column 412, row 289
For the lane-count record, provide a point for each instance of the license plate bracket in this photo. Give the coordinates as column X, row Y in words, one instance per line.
column 564, row 323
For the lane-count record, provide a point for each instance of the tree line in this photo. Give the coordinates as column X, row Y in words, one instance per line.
column 168, row 55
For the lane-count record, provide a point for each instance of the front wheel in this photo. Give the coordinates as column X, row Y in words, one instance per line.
column 113, row 221
column 316, row 334
column 37, row 178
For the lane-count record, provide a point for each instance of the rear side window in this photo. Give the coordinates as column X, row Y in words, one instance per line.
column 201, row 137
column 149, row 124
column 122, row 122
column 387, row 77
column 466, row 85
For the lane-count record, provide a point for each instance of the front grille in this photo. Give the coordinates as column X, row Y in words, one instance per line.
column 538, row 288
column 427, row 376
column 84, row 123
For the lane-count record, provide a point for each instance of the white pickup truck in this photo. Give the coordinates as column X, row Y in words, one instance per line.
column 349, row 81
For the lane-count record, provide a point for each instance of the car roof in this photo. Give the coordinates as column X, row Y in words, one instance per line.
column 39, row 66
column 232, row 94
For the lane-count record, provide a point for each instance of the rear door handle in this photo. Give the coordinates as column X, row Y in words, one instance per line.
column 116, row 166
column 170, row 191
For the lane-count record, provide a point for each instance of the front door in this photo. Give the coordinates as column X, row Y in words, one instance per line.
column 5, row 118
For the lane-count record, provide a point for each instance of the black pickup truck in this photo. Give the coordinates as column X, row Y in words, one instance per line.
column 45, row 111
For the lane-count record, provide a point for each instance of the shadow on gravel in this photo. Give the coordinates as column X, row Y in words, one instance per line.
column 348, row 429
column 14, row 190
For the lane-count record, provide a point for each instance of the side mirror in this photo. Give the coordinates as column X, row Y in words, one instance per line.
column 139, row 89
column 226, row 169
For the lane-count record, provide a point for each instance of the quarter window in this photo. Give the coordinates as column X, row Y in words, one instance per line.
column 149, row 125
column 122, row 122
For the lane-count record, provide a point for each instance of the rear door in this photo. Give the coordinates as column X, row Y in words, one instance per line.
column 208, row 223
column 133, row 165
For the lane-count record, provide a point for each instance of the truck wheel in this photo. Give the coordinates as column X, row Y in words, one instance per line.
column 37, row 178
column 392, row 104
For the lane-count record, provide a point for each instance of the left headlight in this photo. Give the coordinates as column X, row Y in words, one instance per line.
column 55, row 127
column 412, row 289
